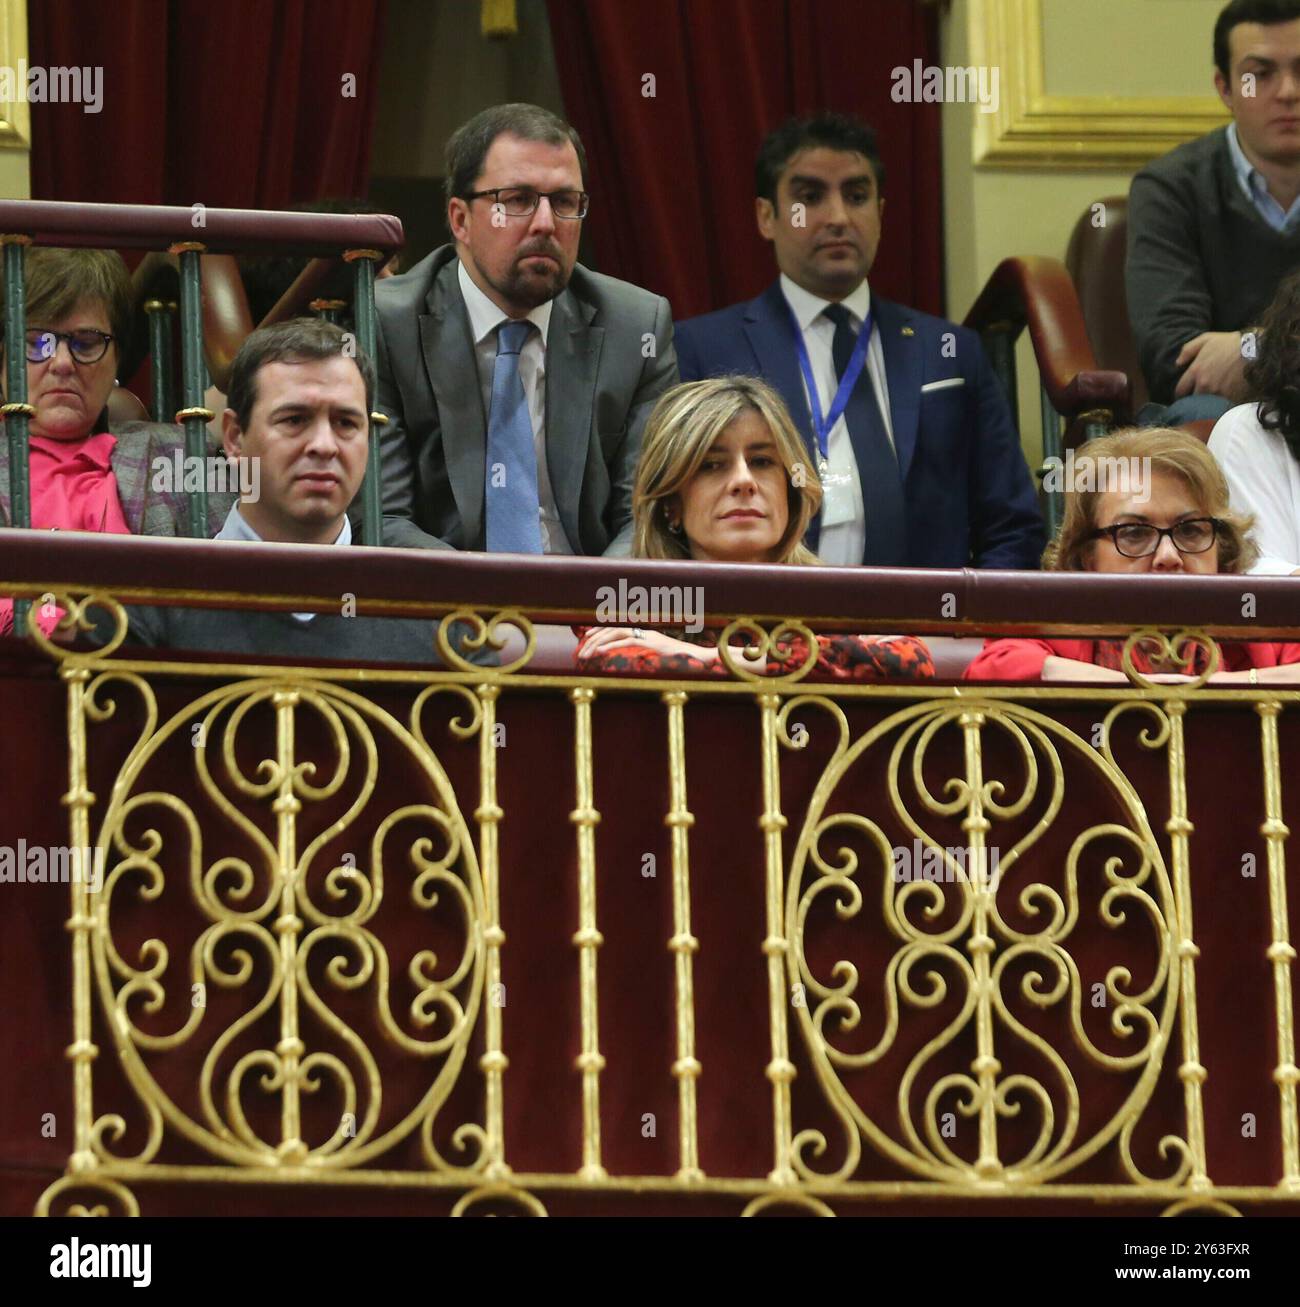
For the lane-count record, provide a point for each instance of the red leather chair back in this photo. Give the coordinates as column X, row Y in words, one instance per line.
column 1095, row 259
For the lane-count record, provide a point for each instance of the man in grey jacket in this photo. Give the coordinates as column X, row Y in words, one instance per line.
column 516, row 383
column 1214, row 225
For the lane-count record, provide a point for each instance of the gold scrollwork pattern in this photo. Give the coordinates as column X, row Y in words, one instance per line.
column 497, row 1194
column 984, row 944
column 1177, row 651
column 286, row 932
column 104, row 1197
column 793, row 1198
column 467, row 630
column 750, row 662
column 75, row 619
column 1200, row 1206
column 278, row 926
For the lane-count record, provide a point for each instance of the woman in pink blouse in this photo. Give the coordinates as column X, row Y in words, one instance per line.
column 84, row 476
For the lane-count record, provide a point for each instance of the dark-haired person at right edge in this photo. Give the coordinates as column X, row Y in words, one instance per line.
column 1214, row 225
column 1258, row 444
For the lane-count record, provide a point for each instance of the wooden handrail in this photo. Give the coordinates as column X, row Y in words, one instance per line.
column 1036, row 293
column 414, row 582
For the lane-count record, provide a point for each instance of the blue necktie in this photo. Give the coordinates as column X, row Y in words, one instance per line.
column 882, row 488
column 512, row 508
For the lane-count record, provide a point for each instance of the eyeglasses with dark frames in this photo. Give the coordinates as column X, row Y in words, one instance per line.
column 85, row 346
column 1194, row 535
column 520, row 201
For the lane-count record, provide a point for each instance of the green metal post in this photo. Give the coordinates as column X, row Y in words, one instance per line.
column 17, row 411
column 328, row 310
column 162, row 395
column 363, row 303
column 193, row 383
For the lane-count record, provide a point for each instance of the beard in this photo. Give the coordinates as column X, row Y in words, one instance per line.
column 530, row 287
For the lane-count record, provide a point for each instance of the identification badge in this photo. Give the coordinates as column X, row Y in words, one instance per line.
column 838, row 500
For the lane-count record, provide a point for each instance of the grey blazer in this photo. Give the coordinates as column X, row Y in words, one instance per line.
column 602, row 379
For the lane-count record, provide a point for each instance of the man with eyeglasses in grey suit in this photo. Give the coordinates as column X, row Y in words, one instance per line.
column 515, row 381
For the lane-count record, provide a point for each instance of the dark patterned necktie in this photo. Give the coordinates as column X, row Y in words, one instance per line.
column 882, row 489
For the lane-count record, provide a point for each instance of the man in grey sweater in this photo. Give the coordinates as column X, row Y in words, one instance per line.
column 1214, row 225
column 299, row 404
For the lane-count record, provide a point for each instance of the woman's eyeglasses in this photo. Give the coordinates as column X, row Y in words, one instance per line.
column 1138, row 539
column 87, row 346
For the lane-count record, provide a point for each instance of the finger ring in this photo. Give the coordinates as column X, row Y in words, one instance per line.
column 638, row 633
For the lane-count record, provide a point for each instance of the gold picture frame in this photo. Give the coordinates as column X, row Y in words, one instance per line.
column 15, row 115
column 1032, row 128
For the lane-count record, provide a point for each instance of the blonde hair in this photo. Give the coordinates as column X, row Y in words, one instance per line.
column 1162, row 449
column 678, row 436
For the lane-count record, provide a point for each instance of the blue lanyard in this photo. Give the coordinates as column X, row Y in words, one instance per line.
column 857, row 360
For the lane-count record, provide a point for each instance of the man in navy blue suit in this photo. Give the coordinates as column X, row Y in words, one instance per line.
column 902, row 415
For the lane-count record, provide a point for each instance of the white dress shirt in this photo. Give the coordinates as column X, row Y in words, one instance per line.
column 236, row 527
column 1263, row 480
column 843, row 534
column 484, row 319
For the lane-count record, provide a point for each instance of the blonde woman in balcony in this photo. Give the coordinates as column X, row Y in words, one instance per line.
column 1156, row 504
column 723, row 477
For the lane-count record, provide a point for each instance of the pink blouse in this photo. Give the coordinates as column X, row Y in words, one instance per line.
column 73, row 488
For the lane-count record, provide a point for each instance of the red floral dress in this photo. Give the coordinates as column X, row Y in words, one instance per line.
column 839, row 658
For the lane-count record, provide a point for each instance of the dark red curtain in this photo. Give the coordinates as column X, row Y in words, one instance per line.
column 672, row 174
column 239, row 104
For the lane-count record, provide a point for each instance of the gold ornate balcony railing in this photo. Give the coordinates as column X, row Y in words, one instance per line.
column 514, row 938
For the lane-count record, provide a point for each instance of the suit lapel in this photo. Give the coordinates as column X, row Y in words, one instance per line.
column 130, row 460
column 572, row 358
column 769, row 327
column 902, row 351
column 770, row 331
column 452, row 368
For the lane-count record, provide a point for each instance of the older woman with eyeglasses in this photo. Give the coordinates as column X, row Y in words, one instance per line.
column 84, row 476
column 1157, row 503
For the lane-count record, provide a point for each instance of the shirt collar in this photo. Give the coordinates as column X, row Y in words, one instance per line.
column 808, row 307
column 485, row 316
column 96, row 450
column 1247, row 174
column 237, row 528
